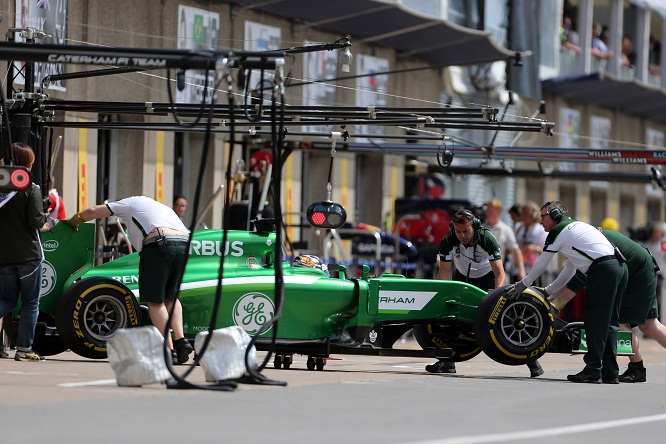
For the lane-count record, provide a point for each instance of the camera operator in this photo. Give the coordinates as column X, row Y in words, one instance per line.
column 21, row 217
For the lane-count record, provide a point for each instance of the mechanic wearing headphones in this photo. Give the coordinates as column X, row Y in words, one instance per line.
column 160, row 237
column 476, row 255
column 639, row 303
column 588, row 251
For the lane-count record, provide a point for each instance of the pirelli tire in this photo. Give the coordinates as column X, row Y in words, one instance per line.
column 514, row 330
column 91, row 311
column 432, row 336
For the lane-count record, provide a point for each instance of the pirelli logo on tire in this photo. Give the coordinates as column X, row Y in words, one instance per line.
column 497, row 310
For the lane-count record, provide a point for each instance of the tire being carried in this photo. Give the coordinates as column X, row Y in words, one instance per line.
column 514, row 330
column 91, row 311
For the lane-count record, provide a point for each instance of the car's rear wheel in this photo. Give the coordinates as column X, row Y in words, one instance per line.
column 431, row 336
column 44, row 344
column 514, row 330
column 91, row 311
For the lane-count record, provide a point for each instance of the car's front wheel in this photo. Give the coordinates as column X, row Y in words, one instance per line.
column 514, row 330
column 91, row 311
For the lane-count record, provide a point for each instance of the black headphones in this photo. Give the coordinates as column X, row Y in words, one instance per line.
column 476, row 222
column 554, row 213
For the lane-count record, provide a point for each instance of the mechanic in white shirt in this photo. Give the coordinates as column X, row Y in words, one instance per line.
column 160, row 237
column 587, row 250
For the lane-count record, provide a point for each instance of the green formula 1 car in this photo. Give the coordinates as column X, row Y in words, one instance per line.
column 81, row 306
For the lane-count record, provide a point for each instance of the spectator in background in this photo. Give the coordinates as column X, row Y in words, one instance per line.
column 531, row 237
column 56, row 204
column 568, row 36
column 180, row 205
column 654, row 66
column 515, row 213
column 599, row 48
column 511, row 254
column 628, row 55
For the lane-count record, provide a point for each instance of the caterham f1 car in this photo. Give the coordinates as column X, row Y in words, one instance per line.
column 81, row 306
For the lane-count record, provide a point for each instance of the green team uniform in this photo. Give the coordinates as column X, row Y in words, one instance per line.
column 472, row 264
column 588, row 251
column 639, row 302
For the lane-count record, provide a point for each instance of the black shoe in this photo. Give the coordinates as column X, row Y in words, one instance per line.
column 610, row 380
column 183, row 349
column 535, row 369
column 441, row 367
column 584, row 377
column 635, row 373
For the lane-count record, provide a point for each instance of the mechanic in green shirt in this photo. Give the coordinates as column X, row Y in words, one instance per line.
column 639, row 303
column 588, row 251
column 478, row 261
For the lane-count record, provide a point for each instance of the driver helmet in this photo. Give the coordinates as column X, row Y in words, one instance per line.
column 310, row 261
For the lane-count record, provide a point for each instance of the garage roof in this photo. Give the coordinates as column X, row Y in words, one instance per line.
column 390, row 24
column 603, row 89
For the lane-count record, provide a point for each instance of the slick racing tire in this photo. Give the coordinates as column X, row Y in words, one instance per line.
column 514, row 330
column 431, row 336
column 91, row 311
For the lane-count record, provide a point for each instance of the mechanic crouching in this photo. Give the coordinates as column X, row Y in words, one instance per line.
column 588, row 251
column 160, row 237
column 476, row 255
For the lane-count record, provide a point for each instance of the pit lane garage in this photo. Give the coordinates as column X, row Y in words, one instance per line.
column 234, row 277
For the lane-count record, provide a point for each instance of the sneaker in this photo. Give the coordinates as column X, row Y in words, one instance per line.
column 3, row 352
column 183, row 350
column 535, row 369
column 583, row 377
column 441, row 367
column 610, row 380
column 635, row 373
column 28, row 356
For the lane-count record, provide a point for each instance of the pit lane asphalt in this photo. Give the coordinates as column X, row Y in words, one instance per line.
column 357, row 399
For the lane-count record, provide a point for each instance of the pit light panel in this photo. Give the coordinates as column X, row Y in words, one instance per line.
column 14, row 178
column 326, row 215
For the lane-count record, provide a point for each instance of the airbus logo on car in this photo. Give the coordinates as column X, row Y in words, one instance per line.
column 214, row 248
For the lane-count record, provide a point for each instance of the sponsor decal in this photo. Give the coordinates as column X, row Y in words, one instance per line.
column 252, row 311
column 496, row 311
column 373, row 336
column 214, row 248
column 145, row 62
column 252, row 262
column 49, row 278
column 127, row 279
column 50, row 245
column 404, row 300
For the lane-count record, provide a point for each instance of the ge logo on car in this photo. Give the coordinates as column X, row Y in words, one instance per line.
column 252, row 311
column 48, row 279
